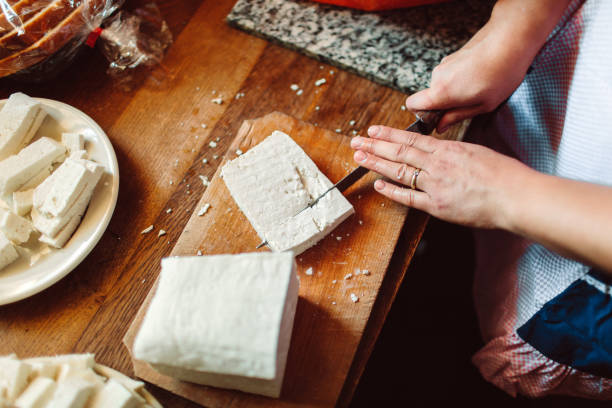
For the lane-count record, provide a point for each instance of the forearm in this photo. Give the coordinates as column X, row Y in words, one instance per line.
column 570, row 217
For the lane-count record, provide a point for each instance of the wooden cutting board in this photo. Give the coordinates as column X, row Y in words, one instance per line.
column 328, row 324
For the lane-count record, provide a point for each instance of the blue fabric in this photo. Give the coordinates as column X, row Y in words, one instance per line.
column 575, row 329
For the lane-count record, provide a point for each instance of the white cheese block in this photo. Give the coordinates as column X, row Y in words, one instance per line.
column 22, row 201
column 80, row 361
column 15, row 228
column 73, row 142
column 20, row 118
column 273, row 182
column 13, row 376
column 71, row 393
column 51, row 226
column 17, row 170
column 37, row 394
column 64, row 235
column 113, row 394
column 8, row 253
column 230, row 319
column 54, row 196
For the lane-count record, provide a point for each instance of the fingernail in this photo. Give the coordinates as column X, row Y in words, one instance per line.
column 379, row 185
column 373, row 130
column 356, row 142
column 360, row 156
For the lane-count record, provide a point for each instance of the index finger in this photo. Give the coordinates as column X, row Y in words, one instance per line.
column 425, row 143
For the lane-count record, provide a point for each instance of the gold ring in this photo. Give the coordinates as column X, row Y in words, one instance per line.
column 413, row 181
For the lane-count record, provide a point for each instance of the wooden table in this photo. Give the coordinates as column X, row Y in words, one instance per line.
column 153, row 129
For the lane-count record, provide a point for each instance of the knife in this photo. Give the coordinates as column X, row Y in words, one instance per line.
column 425, row 123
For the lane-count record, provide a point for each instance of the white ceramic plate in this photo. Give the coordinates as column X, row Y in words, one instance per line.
column 39, row 268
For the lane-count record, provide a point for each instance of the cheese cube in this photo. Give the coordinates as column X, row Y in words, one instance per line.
column 38, row 393
column 54, row 196
column 113, row 394
column 73, row 142
column 13, row 376
column 17, row 170
column 72, row 393
column 20, row 118
column 230, row 316
column 22, row 201
column 8, row 253
column 15, row 228
column 272, row 183
column 51, row 226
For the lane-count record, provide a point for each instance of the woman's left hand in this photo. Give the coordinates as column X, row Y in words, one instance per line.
column 458, row 182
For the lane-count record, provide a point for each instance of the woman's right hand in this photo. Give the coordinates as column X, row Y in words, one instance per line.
column 488, row 69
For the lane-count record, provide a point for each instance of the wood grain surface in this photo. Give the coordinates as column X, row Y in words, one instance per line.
column 156, row 130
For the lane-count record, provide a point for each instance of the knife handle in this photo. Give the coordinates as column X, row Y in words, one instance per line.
column 428, row 120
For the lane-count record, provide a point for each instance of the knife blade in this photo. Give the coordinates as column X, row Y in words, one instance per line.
column 425, row 123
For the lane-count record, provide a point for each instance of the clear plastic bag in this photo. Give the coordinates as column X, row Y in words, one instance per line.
column 39, row 38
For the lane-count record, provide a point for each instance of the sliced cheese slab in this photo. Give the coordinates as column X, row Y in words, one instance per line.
column 13, row 376
column 72, row 393
column 20, row 118
column 273, row 182
column 52, row 226
column 22, row 201
column 113, row 394
column 73, row 142
column 15, row 228
column 8, row 253
column 230, row 316
column 17, row 170
column 37, row 394
column 54, row 196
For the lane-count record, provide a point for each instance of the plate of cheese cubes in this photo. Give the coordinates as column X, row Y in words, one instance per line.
column 59, row 182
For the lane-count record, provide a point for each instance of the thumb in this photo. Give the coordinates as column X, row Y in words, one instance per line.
column 423, row 100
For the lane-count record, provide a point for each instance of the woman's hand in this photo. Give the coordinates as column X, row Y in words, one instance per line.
column 488, row 69
column 459, row 182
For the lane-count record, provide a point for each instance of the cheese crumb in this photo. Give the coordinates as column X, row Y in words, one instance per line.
column 239, row 95
column 215, row 156
column 213, row 92
column 308, row 271
column 354, row 132
column 205, row 180
column 333, row 303
column 331, row 72
column 339, row 238
column 403, row 107
column 294, row 87
column 299, row 92
column 199, row 253
column 334, row 282
column 169, row 210
column 320, row 82
column 352, row 123
column 365, row 272
column 239, row 152
column 161, row 233
column 204, row 161
column 204, row 125
column 212, row 144
column 338, row 130
column 348, row 276
column 204, row 209
column 147, row 230
column 218, row 101
column 354, row 298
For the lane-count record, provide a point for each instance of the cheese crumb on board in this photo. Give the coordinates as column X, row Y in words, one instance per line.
column 338, row 238
column 365, row 272
column 204, row 161
column 348, row 276
column 354, row 298
column 169, row 210
column 338, row 130
column 218, row 101
column 320, row 82
column 147, row 230
column 403, row 107
column 239, row 152
column 204, row 209
column 334, row 282
column 294, row 87
column 199, row 253
column 205, row 180
column 161, row 233
column 246, row 306
column 203, row 125
column 284, row 179
column 352, row 123
column 299, row 92
column 309, row 271
column 212, row 144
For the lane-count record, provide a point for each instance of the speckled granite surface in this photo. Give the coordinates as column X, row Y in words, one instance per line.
column 395, row 48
